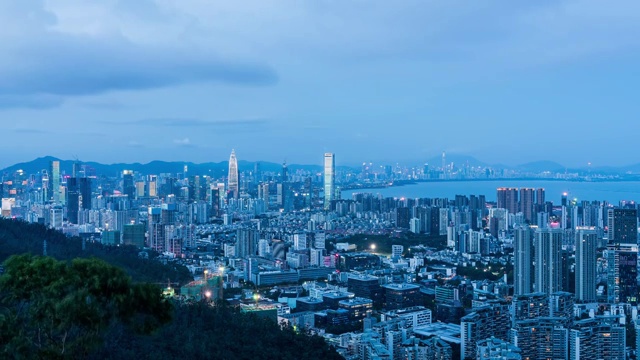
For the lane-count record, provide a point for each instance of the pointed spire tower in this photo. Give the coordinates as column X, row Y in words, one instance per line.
column 233, row 175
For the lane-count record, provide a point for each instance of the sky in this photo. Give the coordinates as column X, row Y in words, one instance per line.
column 379, row 81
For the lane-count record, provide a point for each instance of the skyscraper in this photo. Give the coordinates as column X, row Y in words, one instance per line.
column 622, row 271
column 73, row 200
column 586, row 244
column 540, row 197
column 522, row 261
column 548, row 256
column 55, row 180
column 508, row 199
column 246, row 242
column 232, row 185
column 485, row 321
column 285, row 175
column 155, row 229
column 128, row 186
column 84, row 188
column 527, row 204
column 597, row 338
column 623, row 226
column 329, row 179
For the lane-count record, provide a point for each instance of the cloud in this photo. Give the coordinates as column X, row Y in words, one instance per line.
column 79, row 66
column 41, row 65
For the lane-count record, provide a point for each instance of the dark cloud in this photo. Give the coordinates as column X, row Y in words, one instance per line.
column 65, row 65
column 41, row 66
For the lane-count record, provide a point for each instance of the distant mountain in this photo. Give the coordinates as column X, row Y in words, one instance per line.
column 155, row 167
column 541, row 166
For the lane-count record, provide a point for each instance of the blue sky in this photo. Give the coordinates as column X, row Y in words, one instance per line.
column 507, row 82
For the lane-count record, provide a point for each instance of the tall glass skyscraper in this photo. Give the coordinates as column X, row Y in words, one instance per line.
column 55, row 180
column 233, row 175
column 329, row 179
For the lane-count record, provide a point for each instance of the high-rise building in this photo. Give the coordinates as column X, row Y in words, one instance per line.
column 527, row 204
column 597, row 338
column 548, row 257
column 84, row 187
column 540, row 197
column 484, row 322
column 128, row 187
column 586, row 258
column 508, row 199
column 152, row 186
column 529, row 306
column 233, row 184
column 329, row 179
column 523, row 249
column 73, row 200
column 246, row 242
column 155, row 229
column 623, row 226
column 540, row 338
column 285, row 173
column 622, row 273
column 54, row 181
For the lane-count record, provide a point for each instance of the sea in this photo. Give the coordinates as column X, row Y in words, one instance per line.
column 611, row 191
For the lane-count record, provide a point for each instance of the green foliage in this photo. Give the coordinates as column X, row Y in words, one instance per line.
column 202, row 331
column 19, row 237
column 55, row 309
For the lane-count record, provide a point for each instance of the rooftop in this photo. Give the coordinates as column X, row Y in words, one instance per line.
column 402, row 286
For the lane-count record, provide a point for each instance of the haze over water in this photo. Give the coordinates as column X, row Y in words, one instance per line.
column 613, row 192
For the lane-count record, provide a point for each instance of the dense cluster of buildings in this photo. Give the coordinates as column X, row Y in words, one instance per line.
column 519, row 278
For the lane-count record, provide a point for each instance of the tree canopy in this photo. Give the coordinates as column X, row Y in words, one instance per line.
column 57, row 309
column 202, row 331
column 18, row 237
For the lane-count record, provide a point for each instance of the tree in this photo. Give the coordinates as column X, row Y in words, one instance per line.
column 57, row 309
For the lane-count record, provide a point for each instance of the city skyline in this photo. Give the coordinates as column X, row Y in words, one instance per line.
column 319, row 179
column 456, row 74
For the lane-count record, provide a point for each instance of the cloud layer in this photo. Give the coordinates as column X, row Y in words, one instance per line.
column 368, row 80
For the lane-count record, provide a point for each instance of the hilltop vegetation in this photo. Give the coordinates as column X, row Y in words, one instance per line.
column 82, row 306
column 19, row 237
